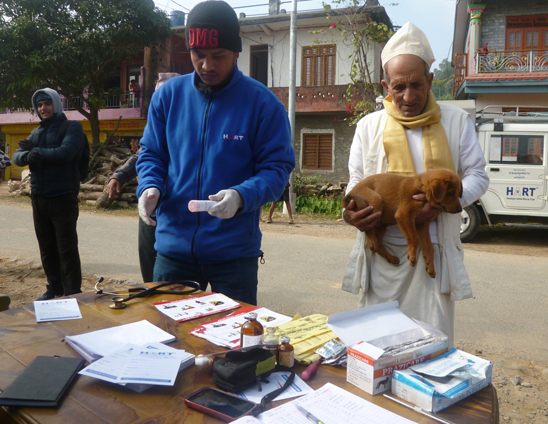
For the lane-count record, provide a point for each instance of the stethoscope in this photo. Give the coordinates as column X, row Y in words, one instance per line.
column 119, row 302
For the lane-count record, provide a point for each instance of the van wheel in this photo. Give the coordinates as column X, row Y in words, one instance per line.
column 470, row 222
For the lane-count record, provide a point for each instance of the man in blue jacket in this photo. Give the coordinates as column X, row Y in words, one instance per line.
column 214, row 134
column 55, row 183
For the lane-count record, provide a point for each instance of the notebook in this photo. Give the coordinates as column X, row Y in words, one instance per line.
column 43, row 383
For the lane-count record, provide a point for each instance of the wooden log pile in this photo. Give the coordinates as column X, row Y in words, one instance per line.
column 93, row 192
column 102, row 165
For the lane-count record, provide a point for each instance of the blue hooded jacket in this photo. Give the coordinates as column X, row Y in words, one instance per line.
column 195, row 145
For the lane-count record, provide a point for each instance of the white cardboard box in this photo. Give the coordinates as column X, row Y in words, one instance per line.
column 368, row 331
column 443, row 381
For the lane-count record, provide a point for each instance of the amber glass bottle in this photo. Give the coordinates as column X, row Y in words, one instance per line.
column 286, row 353
column 252, row 332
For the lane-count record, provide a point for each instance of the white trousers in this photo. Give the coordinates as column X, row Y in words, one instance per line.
column 419, row 296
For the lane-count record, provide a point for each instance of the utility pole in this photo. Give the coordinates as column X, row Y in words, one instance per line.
column 292, row 89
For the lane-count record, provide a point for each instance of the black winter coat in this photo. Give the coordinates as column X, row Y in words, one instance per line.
column 58, row 172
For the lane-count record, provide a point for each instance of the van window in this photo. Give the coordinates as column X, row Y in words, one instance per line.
column 526, row 149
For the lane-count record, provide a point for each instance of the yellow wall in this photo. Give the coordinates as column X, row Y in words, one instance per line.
column 17, row 132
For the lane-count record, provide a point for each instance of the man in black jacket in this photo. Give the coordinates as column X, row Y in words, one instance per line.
column 55, row 183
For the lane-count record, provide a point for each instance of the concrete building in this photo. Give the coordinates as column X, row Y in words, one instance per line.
column 500, row 50
column 322, row 136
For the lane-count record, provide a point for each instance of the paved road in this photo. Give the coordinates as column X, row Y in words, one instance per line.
column 509, row 312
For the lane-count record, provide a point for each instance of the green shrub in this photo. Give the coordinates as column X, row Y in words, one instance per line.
column 318, row 205
column 312, row 205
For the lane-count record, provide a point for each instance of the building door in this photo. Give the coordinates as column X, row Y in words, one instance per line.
column 259, row 63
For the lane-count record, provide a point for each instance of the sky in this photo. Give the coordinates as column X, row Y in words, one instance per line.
column 435, row 17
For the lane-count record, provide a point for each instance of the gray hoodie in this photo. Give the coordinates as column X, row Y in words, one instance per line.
column 55, row 101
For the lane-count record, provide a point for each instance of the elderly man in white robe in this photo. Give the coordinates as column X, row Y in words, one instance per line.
column 411, row 135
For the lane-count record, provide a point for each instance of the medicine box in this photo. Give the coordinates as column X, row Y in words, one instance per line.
column 436, row 384
column 372, row 331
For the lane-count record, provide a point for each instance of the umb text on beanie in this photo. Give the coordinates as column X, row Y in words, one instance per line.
column 213, row 25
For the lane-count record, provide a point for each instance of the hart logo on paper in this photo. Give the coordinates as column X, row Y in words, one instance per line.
column 232, row 137
column 205, row 38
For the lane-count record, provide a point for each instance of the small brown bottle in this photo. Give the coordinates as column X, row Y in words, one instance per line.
column 252, row 331
column 271, row 341
column 286, row 353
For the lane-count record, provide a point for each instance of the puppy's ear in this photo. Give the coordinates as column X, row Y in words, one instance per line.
column 461, row 190
column 439, row 188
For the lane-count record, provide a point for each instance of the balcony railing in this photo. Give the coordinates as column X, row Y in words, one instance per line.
column 503, row 61
column 512, row 61
column 123, row 100
column 461, row 62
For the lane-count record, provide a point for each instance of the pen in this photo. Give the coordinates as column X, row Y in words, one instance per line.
column 309, row 415
column 420, row 411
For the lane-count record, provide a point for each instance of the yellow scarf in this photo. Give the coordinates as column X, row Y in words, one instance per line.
column 437, row 154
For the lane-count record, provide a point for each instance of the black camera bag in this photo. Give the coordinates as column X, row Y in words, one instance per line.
column 238, row 371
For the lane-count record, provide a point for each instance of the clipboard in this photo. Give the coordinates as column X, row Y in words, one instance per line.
column 43, row 382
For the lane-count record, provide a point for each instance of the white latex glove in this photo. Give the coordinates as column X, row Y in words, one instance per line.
column 229, row 203
column 147, row 204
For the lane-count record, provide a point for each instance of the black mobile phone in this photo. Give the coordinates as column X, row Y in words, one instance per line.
column 219, row 404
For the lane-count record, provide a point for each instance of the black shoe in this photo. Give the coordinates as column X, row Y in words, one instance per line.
column 49, row 295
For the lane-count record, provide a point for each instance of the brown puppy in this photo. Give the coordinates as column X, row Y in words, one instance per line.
column 392, row 195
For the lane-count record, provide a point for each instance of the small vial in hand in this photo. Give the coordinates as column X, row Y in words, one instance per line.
column 200, row 205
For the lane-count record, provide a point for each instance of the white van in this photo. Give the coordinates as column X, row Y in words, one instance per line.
column 514, row 144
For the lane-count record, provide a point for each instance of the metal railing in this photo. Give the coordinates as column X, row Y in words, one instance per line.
column 124, row 100
column 512, row 61
column 503, row 61
column 461, row 62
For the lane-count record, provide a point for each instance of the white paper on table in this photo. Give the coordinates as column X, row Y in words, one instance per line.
column 226, row 331
column 57, row 310
column 108, row 367
column 153, row 363
column 194, row 307
column 96, row 344
column 217, row 341
column 331, row 405
column 248, row 419
column 275, row 381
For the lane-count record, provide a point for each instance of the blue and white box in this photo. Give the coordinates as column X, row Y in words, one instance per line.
column 438, row 383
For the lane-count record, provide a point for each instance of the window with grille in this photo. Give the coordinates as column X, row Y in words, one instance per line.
column 318, row 151
column 318, row 65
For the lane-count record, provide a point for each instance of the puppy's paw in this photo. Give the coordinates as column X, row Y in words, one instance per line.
column 394, row 260
column 412, row 260
column 431, row 272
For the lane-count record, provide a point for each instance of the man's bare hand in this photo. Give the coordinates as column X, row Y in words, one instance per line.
column 114, row 188
column 364, row 219
column 428, row 212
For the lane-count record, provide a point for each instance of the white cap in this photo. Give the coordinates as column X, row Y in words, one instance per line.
column 408, row 40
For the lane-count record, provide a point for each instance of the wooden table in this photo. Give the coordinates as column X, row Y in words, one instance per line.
column 95, row 401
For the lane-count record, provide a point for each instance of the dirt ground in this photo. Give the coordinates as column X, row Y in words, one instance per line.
column 522, row 385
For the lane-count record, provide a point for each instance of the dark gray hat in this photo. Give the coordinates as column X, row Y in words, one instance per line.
column 41, row 96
